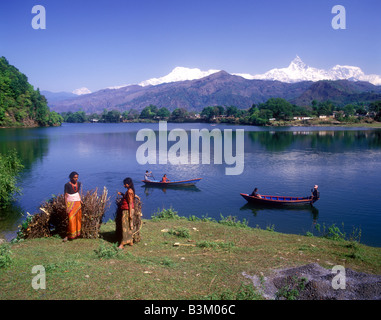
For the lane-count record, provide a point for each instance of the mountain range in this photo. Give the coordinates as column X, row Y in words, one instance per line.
column 194, row 89
column 298, row 71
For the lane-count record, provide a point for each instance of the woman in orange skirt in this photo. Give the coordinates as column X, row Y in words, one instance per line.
column 73, row 205
column 125, row 214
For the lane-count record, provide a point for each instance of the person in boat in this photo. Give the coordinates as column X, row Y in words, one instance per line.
column 315, row 192
column 164, row 179
column 125, row 215
column 73, row 205
column 148, row 176
column 255, row 193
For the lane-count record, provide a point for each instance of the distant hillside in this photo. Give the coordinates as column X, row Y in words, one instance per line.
column 58, row 96
column 220, row 88
column 340, row 92
column 20, row 104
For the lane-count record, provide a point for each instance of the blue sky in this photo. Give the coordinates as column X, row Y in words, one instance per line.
column 97, row 44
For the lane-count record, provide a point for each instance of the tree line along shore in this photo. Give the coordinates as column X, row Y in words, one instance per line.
column 275, row 111
column 23, row 106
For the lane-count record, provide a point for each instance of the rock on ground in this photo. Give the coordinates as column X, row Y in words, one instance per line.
column 313, row 282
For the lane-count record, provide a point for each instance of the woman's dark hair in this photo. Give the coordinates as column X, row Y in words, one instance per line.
column 71, row 175
column 130, row 183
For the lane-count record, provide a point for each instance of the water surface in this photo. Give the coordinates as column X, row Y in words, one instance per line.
column 345, row 163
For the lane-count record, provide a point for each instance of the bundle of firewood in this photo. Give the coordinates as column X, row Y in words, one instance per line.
column 93, row 210
column 136, row 219
column 52, row 218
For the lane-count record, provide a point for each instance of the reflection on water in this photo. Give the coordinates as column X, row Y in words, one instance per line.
column 9, row 219
column 344, row 163
column 257, row 209
column 149, row 190
column 339, row 141
column 29, row 145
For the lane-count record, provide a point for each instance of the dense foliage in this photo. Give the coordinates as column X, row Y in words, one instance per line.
column 10, row 167
column 20, row 104
column 261, row 114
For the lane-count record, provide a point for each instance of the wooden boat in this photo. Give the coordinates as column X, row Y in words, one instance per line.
column 279, row 200
column 172, row 183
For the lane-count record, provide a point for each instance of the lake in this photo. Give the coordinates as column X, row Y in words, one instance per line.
column 344, row 162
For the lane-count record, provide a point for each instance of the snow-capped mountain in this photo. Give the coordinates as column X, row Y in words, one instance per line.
column 81, row 91
column 298, row 71
column 179, row 74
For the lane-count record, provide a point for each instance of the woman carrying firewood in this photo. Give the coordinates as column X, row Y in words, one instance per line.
column 125, row 215
column 73, row 204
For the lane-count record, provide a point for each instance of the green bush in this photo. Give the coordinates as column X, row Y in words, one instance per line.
column 233, row 222
column 245, row 292
column 180, row 232
column 165, row 214
column 5, row 255
column 10, row 168
column 106, row 252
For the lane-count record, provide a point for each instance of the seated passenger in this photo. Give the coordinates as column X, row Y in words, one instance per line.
column 255, row 193
column 165, row 179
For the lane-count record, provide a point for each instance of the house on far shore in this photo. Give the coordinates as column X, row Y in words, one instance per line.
column 303, row 118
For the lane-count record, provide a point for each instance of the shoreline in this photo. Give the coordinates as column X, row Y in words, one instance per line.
column 362, row 125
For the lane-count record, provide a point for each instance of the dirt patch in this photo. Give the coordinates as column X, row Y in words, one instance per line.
column 313, row 282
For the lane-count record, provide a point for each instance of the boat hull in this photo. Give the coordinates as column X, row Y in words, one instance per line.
column 181, row 183
column 279, row 200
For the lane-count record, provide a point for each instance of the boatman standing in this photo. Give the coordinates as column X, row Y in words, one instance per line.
column 148, row 175
column 315, row 192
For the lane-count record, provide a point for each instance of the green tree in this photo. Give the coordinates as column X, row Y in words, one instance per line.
column 376, row 108
column 55, row 119
column 20, row 104
column 232, row 111
column 163, row 113
column 325, row 108
column 179, row 114
column 149, row 112
column 361, row 110
column 208, row 113
column 10, row 168
column 133, row 114
column 280, row 108
column 349, row 110
column 76, row 117
column 112, row 116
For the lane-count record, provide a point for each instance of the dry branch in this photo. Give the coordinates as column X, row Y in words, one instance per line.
column 52, row 218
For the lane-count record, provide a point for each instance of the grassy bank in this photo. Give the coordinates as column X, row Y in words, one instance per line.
column 208, row 263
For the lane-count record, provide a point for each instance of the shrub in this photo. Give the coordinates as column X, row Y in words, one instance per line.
column 244, row 292
column 180, row 232
column 5, row 255
column 10, row 167
column 106, row 252
column 165, row 214
column 233, row 222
